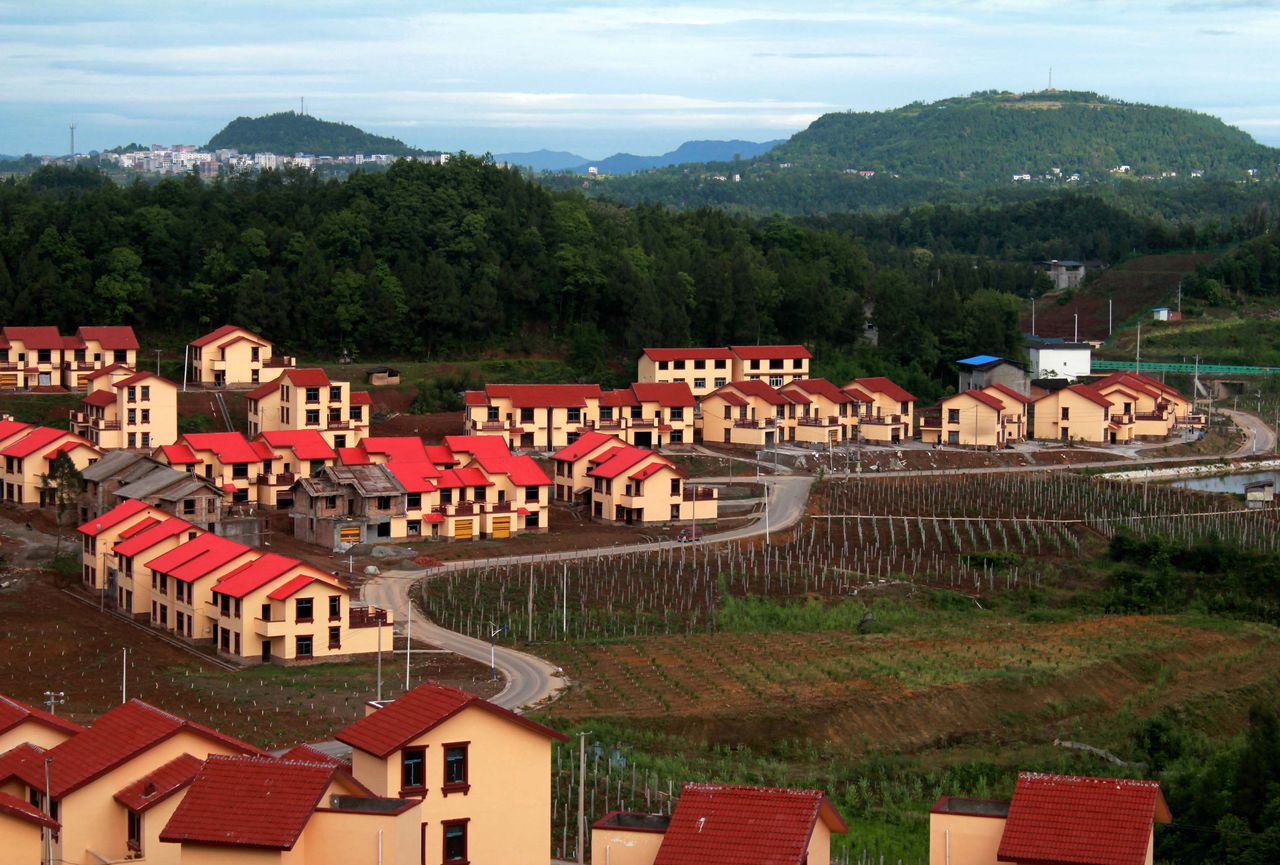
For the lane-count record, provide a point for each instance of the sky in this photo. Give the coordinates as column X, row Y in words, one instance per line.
column 599, row 77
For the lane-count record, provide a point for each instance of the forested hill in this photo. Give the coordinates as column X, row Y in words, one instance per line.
column 289, row 132
column 994, row 135
column 455, row 260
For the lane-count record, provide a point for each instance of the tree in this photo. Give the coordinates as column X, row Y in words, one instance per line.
column 61, row 487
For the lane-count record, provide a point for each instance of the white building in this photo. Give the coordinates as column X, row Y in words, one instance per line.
column 1052, row 357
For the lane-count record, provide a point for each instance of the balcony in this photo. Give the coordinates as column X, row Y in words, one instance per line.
column 1149, row 415
column 339, row 425
column 884, row 419
column 218, row 364
column 700, row 494
column 818, row 421
column 746, row 423
column 284, row 479
column 277, row 362
column 642, row 423
column 271, row 627
column 488, row 425
column 500, row 508
column 9, row 366
column 100, row 424
column 1122, row 418
column 367, row 617
column 609, row 424
column 77, row 365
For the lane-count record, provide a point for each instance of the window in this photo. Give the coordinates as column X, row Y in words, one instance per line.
column 675, row 486
column 480, row 495
column 721, row 382
column 755, row 364
column 303, row 609
column 146, row 415
column 313, row 417
column 606, row 412
column 699, row 364
column 335, row 394
column 240, row 470
column 146, row 392
column 133, row 440
column 1066, row 413
column 356, row 413
column 775, row 381
column 455, row 767
column 413, row 764
column 255, row 353
column 133, row 416
column 677, row 436
column 728, row 412
column 44, row 355
column 304, row 646
column 532, row 494
column 720, row 363
column 575, row 415
column 134, row 834
column 526, row 415
column 953, row 437
column 335, row 607
column 224, row 605
column 146, row 440
column 132, row 394
column 455, row 842
column 662, row 365
column 677, row 412
column 313, row 394
column 384, row 503
column 335, row 415
column 953, row 415
column 679, row 364
column 335, row 637
column 699, row 383
column 775, row 363
column 414, row 501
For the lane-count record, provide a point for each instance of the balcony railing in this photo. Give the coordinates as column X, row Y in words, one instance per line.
column 746, row 423
column 9, row 366
column 278, row 361
column 1122, row 418
column 642, row 422
column 882, row 419
column 1149, row 415
column 278, row 478
column 77, row 365
column 488, row 425
column 818, row 421
column 610, row 424
column 339, row 424
column 367, row 617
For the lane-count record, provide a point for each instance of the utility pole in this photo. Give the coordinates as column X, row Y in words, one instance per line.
column 408, row 645
column 48, row 810
column 1137, row 357
column 124, row 676
column 157, row 361
column 73, row 143
column 1075, row 316
column 582, row 801
column 54, row 699
column 380, row 618
column 1109, row 328
column 494, row 630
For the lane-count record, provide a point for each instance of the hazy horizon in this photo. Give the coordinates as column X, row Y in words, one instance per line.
column 603, row 77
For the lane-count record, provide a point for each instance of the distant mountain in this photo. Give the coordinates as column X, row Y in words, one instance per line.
column 542, row 160
column 689, row 152
column 994, row 135
column 289, row 132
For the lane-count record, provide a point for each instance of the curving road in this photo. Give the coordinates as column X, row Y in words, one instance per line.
column 532, row 681
column 1260, row 438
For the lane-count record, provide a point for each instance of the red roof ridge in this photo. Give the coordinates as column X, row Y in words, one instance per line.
column 14, row 712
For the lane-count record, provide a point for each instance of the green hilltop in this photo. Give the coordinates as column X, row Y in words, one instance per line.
column 289, row 132
column 992, row 135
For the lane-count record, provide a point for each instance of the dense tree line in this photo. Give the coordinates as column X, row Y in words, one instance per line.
column 1250, row 269
column 426, row 260
column 288, row 132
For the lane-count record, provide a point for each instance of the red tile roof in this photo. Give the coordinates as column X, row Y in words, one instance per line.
column 615, row 462
column 14, row 712
column 469, row 476
column 985, row 398
column 493, row 455
column 653, row 468
column 116, row 515
column 1005, row 390
column 291, row 588
column 689, row 353
column 544, row 395
column 882, row 385
column 308, row 377
column 107, row 370
column 110, row 337
column 179, row 455
column 731, row 825
column 38, row 438
column 229, row 447
column 154, row 787
column 770, row 352
column 255, row 575
column 100, row 399
column 35, row 337
column 414, row 477
column 525, row 472
column 820, row 387
column 361, row 397
column 408, row 448
column 728, row 396
column 1088, row 393
column 15, row 807
column 418, row 711
column 141, row 526
column 1062, row 819
column 115, row 738
column 66, row 447
column 142, row 376
column 10, row 428
column 249, row 802
column 198, row 557
column 586, row 443
column 441, row 455
column 306, row 444
column 218, row 334
column 759, row 390
column 490, row 446
column 620, row 398
column 354, row 456
column 144, row 541
column 666, row 394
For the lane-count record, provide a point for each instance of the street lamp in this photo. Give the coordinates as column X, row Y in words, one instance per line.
column 493, row 632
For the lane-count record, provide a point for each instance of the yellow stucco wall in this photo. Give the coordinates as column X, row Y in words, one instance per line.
column 1086, row 421
column 29, row 731
column 973, row 840
column 22, row 842
column 819, row 845
column 615, row 846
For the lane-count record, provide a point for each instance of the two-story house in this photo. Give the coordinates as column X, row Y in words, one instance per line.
column 708, row 369
column 648, row 414
column 234, row 357
column 181, row 582
column 532, row 416
column 748, row 413
column 1079, row 413
column 94, row 348
column 889, row 417
column 826, row 415
column 26, row 457
column 127, row 409
column 626, row 484
column 30, row 357
column 298, row 454
column 481, row 772
column 972, row 418
column 775, row 365
column 306, row 399
column 228, row 459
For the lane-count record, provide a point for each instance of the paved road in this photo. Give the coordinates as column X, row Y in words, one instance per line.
column 1260, row 438
column 530, row 680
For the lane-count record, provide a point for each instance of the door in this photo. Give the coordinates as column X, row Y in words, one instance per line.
column 462, row 530
column 502, row 527
column 266, row 651
column 349, row 535
column 45, row 379
column 644, row 439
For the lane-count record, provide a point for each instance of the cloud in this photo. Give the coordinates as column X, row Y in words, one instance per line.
column 821, row 55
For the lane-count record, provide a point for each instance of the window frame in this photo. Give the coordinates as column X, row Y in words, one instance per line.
column 405, row 787
column 445, row 826
column 463, row 786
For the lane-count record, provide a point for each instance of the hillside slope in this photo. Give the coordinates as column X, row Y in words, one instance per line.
column 994, row 135
column 290, row 132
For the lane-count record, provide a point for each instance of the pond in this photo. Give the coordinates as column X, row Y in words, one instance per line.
column 1226, row 483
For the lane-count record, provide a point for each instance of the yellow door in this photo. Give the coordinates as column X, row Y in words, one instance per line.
column 349, row 534
column 502, row 527
column 462, row 530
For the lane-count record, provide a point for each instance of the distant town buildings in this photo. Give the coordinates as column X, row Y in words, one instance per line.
column 185, row 158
